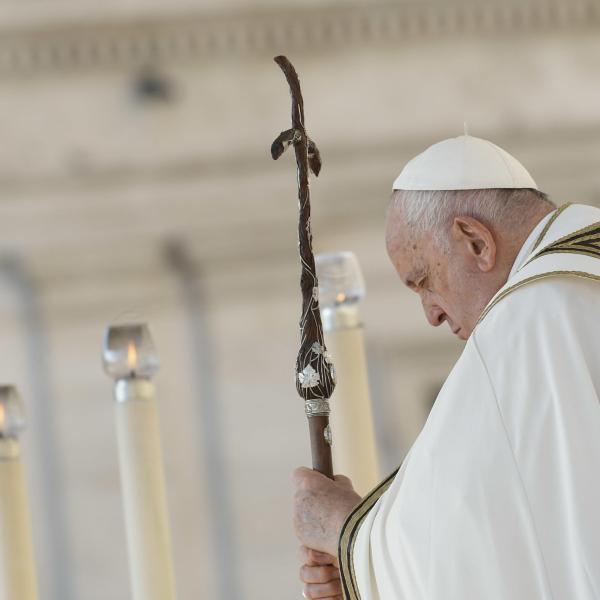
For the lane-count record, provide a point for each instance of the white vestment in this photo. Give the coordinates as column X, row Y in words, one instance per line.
column 499, row 497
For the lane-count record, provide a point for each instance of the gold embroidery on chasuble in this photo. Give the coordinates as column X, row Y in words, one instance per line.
column 350, row 532
column 531, row 279
column 585, row 241
column 549, row 224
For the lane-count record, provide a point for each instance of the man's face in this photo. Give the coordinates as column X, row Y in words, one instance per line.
column 447, row 282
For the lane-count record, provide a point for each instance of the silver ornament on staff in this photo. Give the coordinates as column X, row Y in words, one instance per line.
column 17, row 565
column 130, row 359
column 315, row 374
column 342, row 289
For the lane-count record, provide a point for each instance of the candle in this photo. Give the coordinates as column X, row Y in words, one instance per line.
column 130, row 359
column 17, row 566
column 341, row 288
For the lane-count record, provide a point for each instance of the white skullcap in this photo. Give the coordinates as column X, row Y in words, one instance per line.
column 463, row 163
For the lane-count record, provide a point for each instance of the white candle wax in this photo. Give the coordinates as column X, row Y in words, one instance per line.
column 17, row 565
column 341, row 290
column 354, row 448
column 143, row 489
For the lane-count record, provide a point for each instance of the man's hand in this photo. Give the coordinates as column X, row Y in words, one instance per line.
column 321, row 506
column 320, row 577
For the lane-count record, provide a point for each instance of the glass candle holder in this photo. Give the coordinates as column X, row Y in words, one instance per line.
column 12, row 412
column 129, row 352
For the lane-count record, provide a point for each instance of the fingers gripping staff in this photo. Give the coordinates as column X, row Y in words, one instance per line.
column 315, row 374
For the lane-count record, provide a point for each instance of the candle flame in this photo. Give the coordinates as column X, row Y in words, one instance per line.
column 341, row 297
column 132, row 357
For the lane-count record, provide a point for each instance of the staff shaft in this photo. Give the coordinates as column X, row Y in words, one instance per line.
column 319, row 448
column 315, row 375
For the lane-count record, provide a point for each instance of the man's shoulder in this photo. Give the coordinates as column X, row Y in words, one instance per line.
column 540, row 349
column 561, row 303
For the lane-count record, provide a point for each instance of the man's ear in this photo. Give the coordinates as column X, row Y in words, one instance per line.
column 477, row 241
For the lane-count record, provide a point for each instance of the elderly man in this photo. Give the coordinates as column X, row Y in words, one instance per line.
column 498, row 498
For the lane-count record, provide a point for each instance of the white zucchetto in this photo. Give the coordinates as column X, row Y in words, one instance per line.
column 463, row 163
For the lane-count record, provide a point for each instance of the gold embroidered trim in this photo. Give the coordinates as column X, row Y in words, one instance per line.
column 594, row 252
column 511, row 289
column 549, row 224
column 583, row 241
column 349, row 534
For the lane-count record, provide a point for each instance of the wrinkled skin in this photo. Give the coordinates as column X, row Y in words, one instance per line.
column 454, row 280
column 320, row 574
column 321, row 506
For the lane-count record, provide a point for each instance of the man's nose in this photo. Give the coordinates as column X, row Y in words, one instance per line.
column 435, row 315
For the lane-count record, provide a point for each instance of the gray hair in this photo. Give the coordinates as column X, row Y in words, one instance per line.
column 433, row 210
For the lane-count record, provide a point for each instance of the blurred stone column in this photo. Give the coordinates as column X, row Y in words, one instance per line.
column 211, row 432
column 51, row 527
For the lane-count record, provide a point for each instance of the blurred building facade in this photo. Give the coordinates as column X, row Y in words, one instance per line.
column 128, row 130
